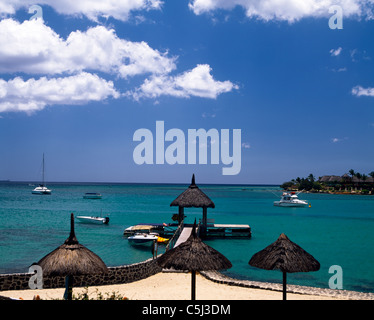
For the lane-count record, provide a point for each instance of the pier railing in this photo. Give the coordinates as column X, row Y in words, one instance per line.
column 175, row 237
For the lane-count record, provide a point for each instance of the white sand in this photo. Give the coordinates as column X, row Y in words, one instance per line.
column 168, row 286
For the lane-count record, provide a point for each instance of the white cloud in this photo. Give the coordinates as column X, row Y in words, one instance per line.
column 246, row 145
column 197, row 82
column 32, row 47
column 92, row 9
column 33, row 95
column 287, row 10
column 360, row 91
column 335, row 140
column 336, row 52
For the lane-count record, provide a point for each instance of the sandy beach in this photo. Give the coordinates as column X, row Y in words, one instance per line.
column 177, row 286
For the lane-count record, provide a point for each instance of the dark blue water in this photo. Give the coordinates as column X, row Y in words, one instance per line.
column 336, row 230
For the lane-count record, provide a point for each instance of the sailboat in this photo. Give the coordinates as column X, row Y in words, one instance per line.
column 42, row 189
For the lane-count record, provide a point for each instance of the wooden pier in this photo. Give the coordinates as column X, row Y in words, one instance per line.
column 213, row 231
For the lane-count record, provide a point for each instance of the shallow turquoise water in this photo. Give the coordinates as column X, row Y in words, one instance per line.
column 336, row 230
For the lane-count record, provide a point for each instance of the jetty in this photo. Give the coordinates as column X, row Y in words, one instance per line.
column 206, row 228
column 179, row 231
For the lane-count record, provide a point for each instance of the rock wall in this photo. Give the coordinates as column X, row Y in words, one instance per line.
column 115, row 275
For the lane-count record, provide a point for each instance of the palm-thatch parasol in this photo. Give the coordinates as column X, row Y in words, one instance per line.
column 71, row 259
column 194, row 255
column 286, row 256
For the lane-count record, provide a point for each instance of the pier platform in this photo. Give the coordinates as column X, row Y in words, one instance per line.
column 216, row 230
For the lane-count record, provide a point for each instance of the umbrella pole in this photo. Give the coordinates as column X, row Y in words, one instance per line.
column 193, row 285
column 68, row 295
column 284, row 285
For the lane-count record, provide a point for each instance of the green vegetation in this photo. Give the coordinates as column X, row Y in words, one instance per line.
column 354, row 182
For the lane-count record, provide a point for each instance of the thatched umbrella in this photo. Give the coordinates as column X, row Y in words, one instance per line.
column 286, row 256
column 194, row 255
column 71, row 259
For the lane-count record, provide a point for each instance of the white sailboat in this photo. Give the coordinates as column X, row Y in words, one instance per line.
column 42, row 189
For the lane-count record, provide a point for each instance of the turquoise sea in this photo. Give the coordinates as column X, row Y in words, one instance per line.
column 336, row 230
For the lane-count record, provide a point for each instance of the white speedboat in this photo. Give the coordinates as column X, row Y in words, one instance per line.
column 93, row 220
column 290, row 199
column 143, row 239
column 42, row 189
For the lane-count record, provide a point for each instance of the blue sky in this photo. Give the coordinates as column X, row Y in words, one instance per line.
column 77, row 84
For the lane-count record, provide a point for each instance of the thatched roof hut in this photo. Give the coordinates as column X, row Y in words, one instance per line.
column 71, row 259
column 194, row 255
column 286, row 256
column 193, row 197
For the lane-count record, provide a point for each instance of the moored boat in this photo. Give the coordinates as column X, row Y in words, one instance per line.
column 290, row 199
column 42, row 189
column 93, row 220
column 143, row 239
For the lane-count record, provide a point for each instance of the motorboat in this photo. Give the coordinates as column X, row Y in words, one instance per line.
column 93, row 220
column 92, row 195
column 42, row 189
column 158, row 228
column 290, row 199
column 143, row 239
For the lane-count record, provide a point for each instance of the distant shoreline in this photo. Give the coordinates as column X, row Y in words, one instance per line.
column 136, row 183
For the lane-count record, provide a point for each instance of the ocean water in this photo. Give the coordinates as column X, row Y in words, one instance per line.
column 336, row 230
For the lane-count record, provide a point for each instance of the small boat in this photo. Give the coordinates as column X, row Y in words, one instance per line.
column 158, row 228
column 93, row 220
column 42, row 189
column 290, row 199
column 143, row 239
column 92, row 195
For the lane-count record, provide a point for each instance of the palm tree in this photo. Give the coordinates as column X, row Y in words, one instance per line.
column 352, row 173
column 371, row 174
column 311, row 177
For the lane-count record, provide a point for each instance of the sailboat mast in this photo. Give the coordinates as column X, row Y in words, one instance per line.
column 43, row 171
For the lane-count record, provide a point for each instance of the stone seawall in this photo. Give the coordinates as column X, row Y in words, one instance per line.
column 115, row 275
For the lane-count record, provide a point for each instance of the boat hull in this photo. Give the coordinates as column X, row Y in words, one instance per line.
column 289, row 204
column 93, row 220
column 41, row 191
column 144, row 240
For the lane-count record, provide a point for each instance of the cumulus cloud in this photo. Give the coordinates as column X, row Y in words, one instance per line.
column 197, row 82
column 360, row 91
column 32, row 47
column 92, row 9
column 287, row 10
column 35, row 94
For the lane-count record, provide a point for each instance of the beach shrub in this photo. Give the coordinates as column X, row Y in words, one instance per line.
column 99, row 296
